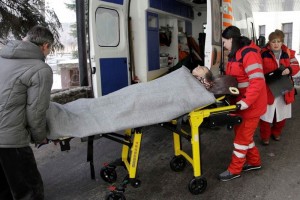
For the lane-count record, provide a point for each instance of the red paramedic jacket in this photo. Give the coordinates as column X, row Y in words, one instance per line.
column 246, row 67
column 288, row 60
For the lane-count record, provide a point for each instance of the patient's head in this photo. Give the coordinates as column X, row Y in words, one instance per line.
column 204, row 75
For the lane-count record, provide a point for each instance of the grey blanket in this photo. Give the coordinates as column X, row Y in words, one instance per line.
column 157, row 101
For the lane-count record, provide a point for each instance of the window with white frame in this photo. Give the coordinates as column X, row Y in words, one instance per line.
column 262, row 30
column 107, row 27
column 287, row 29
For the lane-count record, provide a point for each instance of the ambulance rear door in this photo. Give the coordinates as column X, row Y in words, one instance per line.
column 109, row 53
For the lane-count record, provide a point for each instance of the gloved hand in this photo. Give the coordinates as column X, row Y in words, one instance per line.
column 243, row 105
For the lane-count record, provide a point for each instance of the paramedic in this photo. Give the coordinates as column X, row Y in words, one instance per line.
column 276, row 55
column 26, row 82
column 244, row 63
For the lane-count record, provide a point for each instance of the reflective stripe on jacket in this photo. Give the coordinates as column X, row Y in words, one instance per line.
column 246, row 67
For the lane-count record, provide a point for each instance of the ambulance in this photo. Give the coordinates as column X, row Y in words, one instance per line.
column 122, row 42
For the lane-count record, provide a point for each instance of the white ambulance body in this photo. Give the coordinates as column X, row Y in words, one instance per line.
column 138, row 40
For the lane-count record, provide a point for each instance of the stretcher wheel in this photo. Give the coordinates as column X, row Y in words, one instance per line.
column 197, row 186
column 108, row 174
column 115, row 196
column 178, row 163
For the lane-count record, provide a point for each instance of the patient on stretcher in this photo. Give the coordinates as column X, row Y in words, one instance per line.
column 220, row 85
column 157, row 101
column 138, row 105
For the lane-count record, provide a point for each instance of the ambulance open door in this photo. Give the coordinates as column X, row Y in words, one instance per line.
column 109, row 53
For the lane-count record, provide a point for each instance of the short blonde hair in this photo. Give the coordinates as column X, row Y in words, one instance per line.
column 277, row 34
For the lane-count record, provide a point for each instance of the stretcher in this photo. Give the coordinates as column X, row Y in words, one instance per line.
column 167, row 101
column 217, row 114
column 138, row 105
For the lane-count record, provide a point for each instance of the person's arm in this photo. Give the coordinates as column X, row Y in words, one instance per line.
column 294, row 64
column 38, row 99
column 253, row 68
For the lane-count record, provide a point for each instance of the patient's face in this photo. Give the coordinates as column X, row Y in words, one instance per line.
column 200, row 71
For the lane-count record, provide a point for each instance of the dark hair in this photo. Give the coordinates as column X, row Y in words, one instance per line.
column 238, row 41
column 209, row 76
column 39, row 35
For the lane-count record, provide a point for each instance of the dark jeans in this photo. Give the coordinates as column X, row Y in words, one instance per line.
column 19, row 176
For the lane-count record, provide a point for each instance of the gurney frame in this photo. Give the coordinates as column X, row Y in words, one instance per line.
column 131, row 141
column 219, row 116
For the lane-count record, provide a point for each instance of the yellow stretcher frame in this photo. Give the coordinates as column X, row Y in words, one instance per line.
column 133, row 156
column 198, row 184
column 130, row 153
column 196, row 118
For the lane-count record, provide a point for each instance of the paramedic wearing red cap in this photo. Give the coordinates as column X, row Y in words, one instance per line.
column 277, row 56
column 245, row 64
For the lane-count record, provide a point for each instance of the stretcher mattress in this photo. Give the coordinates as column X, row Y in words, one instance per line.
column 138, row 105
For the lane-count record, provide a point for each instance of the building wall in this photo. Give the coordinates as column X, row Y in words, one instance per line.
column 274, row 20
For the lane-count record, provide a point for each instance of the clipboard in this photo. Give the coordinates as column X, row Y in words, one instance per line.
column 279, row 84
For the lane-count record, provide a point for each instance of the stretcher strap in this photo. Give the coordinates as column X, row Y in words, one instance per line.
column 90, row 155
column 179, row 123
column 180, row 120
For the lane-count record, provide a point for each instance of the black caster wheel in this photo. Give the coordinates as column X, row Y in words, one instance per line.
column 178, row 163
column 108, row 174
column 197, row 186
column 115, row 196
column 135, row 183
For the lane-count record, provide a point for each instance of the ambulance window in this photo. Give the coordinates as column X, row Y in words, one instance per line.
column 107, row 27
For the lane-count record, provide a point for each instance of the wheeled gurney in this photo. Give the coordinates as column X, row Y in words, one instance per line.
column 167, row 101
column 217, row 114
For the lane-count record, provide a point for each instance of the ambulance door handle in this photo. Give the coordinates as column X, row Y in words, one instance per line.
column 93, row 70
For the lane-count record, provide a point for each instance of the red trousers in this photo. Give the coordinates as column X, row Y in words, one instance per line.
column 245, row 150
column 267, row 129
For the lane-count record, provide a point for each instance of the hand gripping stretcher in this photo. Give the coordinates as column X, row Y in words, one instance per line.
column 161, row 101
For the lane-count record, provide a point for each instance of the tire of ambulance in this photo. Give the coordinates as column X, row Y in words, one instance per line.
column 108, row 174
column 197, row 186
column 178, row 163
column 115, row 196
